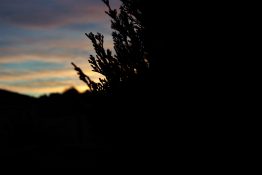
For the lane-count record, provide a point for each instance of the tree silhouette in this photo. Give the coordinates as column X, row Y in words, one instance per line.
column 129, row 63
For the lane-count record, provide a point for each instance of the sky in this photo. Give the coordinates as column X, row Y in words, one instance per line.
column 40, row 38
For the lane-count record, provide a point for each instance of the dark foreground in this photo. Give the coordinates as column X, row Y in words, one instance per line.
column 70, row 130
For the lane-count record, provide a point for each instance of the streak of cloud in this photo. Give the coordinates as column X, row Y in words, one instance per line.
column 48, row 13
column 51, row 13
column 39, row 40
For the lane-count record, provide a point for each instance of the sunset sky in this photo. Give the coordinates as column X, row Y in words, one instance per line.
column 40, row 38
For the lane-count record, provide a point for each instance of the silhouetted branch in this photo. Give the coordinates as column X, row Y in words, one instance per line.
column 84, row 77
column 129, row 63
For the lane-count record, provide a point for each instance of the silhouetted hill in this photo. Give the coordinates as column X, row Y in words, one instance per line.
column 6, row 93
column 52, row 127
column 13, row 98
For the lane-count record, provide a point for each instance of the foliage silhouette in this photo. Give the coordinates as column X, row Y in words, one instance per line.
column 121, row 121
column 129, row 63
column 73, row 126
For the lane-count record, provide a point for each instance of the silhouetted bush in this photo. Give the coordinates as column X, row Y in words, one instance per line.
column 129, row 63
column 120, row 121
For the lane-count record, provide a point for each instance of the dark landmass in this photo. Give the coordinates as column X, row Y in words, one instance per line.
column 53, row 130
column 76, row 130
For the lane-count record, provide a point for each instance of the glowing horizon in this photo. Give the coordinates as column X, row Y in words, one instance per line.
column 39, row 40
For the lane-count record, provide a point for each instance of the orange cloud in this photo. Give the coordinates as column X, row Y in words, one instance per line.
column 46, row 81
column 47, row 74
column 49, row 31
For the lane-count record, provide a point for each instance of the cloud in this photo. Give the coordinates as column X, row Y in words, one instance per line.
column 36, row 76
column 40, row 38
column 45, row 81
column 51, row 13
column 48, row 43
column 16, row 75
column 31, row 65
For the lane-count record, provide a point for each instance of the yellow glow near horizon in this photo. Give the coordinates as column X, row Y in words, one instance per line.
column 37, row 46
column 36, row 92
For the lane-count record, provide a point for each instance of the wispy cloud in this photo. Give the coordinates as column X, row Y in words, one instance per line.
column 31, row 82
column 34, row 77
column 39, row 40
column 51, row 13
column 29, row 75
column 48, row 13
